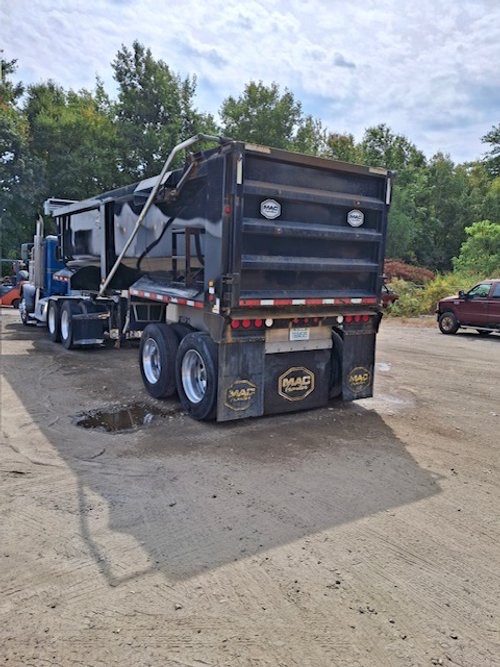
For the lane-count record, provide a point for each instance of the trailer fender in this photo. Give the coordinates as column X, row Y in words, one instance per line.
column 28, row 294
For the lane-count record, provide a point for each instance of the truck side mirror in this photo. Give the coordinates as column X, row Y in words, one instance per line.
column 461, row 294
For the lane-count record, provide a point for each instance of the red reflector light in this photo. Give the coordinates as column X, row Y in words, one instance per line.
column 247, row 324
column 348, row 318
column 258, row 324
column 306, row 320
column 235, row 324
column 227, row 210
column 295, row 320
column 357, row 318
column 366, row 318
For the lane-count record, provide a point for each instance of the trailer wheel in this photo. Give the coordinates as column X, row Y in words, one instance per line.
column 54, row 321
column 335, row 388
column 157, row 359
column 196, row 372
column 448, row 323
column 68, row 309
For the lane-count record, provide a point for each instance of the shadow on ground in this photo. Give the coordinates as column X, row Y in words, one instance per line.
column 183, row 497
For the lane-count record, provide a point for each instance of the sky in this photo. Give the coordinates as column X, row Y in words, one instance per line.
column 429, row 69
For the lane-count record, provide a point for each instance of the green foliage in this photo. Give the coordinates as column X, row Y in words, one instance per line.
column 408, row 304
column 264, row 115
column 344, row 148
column 18, row 172
column 154, row 111
column 492, row 160
column 383, row 148
column 480, row 253
column 73, row 139
column 415, row 300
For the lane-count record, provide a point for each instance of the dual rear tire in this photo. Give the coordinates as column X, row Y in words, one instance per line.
column 188, row 366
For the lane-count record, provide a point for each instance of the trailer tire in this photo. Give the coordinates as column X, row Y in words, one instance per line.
column 181, row 330
column 335, row 389
column 448, row 323
column 196, row 373
column 69, row 308
column 157, row 355
column 54, row 321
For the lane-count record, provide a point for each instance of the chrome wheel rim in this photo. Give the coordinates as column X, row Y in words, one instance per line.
column 194, row 376
column 151, row 362
column 447, row 323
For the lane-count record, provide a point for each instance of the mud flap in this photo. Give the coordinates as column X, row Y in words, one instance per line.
column 296, row 381
column 358, row 364
column 88, row 326
column 241, row 380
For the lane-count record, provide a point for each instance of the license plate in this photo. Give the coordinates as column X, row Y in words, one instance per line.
column 299, row 334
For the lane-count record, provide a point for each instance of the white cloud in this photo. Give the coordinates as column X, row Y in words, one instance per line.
column 426, row 69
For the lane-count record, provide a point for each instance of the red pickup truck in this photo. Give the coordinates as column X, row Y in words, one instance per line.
column 478, row 309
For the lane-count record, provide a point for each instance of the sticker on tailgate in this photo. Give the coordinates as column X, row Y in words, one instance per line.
column 299, row 333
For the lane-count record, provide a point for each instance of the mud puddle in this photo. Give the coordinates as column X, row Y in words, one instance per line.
column 123, row 418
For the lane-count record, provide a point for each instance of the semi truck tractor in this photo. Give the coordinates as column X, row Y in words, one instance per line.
column 252, row 277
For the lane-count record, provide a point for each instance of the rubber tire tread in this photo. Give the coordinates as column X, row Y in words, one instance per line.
column 55, row 336
column 206, row 409
column 181, row 330
column 72, row 308
column 167, row 343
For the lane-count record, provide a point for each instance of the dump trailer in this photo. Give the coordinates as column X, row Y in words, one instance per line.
column 252, row 275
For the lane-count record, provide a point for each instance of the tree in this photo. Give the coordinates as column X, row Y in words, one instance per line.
column 343, row 147
column 264, row 115
column 154, row 111
column 480, row 253
column 382, row 148
column 492, row 159
column 18, row 170
column 74, row 138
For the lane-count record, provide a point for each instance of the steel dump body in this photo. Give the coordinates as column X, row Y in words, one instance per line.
column 276, row 257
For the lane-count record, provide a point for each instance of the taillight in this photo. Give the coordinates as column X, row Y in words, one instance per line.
column 247, row 324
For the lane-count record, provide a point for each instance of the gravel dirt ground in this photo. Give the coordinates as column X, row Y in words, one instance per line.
column 360, row 534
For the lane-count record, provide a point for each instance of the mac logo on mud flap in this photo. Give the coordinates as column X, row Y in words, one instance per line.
column 270, row 209
column 359, row 378
column 296, row 383
column 239, row 395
